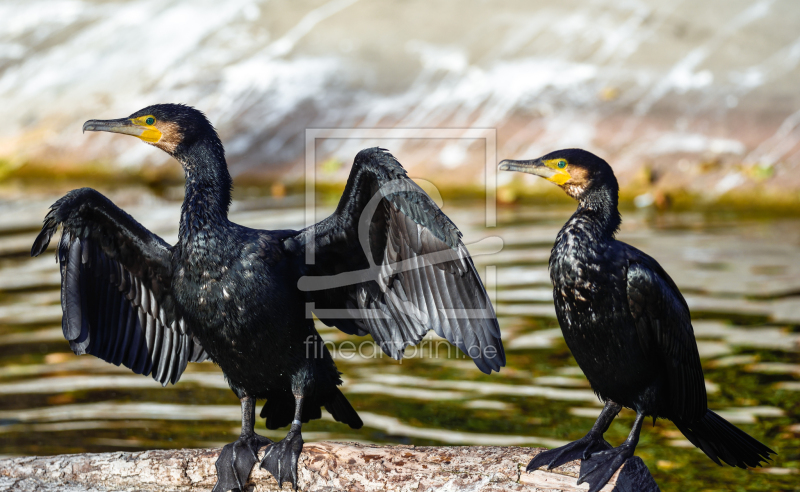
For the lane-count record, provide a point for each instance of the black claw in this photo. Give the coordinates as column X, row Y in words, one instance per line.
column 281, row 459
column 236, row 461
column 580, row 449
column 600, row 467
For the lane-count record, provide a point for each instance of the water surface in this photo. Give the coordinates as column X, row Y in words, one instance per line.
column 740, row 275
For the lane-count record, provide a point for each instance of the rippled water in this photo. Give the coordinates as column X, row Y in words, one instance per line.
column 740, row 275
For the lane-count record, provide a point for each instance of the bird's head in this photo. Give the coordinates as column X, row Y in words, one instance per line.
column 576, row 171
column 173, row 128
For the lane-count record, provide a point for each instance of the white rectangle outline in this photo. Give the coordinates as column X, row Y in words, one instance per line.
column 312, row 134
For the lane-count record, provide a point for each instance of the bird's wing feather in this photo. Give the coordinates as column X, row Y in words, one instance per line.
column 420, row 276
column 664, row 327
column 116, row 294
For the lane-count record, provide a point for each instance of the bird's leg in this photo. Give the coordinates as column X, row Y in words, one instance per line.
column 237, row 458
column 281, row 458
column 598, row 469
column 583, row 447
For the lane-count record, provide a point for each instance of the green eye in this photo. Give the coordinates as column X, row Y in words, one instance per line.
column 562, row 164
column 150, row 120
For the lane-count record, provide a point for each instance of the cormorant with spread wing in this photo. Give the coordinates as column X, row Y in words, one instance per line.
column 628, row 327
column 387, row 263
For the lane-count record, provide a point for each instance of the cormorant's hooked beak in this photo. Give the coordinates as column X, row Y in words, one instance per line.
column 534, row 166
column 122, row 125
column 125, row 126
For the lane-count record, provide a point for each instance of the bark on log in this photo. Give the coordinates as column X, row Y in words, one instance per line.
column 323, row 466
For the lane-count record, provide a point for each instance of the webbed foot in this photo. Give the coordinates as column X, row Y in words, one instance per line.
column 580, row 449
column 236, row 461
column 281, row 458
column 635, row 477
column 598, row 469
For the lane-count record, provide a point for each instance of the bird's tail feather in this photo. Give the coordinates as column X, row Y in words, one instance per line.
column 342, row 411
column 719, row 439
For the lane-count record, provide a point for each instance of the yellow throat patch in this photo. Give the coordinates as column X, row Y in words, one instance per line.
column 560, row 167
column 150, row 133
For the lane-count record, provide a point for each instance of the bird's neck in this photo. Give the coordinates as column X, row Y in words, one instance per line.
column 599, row 207
column 208, row 188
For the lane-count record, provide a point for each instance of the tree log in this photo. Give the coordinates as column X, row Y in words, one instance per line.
column 323, row 466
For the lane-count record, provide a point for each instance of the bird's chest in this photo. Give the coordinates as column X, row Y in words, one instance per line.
column 211, row 285
column 207, row 293
column 588, row 288
column 234, row 292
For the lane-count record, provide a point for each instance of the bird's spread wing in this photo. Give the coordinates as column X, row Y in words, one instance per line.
column 664, row 327
column 389, row 263
column 115, row 288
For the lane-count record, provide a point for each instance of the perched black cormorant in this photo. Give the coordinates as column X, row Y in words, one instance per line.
column 627, row 326
column 387, row 263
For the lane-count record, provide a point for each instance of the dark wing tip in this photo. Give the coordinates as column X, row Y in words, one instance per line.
column 488, row 362
column 42, row 240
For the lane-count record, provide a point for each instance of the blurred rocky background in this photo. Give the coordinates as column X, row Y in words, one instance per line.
column 695, row 98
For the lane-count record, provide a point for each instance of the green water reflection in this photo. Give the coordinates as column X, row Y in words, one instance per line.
column 740, row 274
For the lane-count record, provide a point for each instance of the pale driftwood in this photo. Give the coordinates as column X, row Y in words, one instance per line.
column 324, row 466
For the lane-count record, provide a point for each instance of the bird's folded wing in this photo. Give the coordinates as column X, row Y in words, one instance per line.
column 389, row 263
column 116, row 288
column 664, row 327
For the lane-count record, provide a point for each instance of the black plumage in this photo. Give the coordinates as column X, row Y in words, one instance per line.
column 628, row 327
column 388, row 263
column 115, row 297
